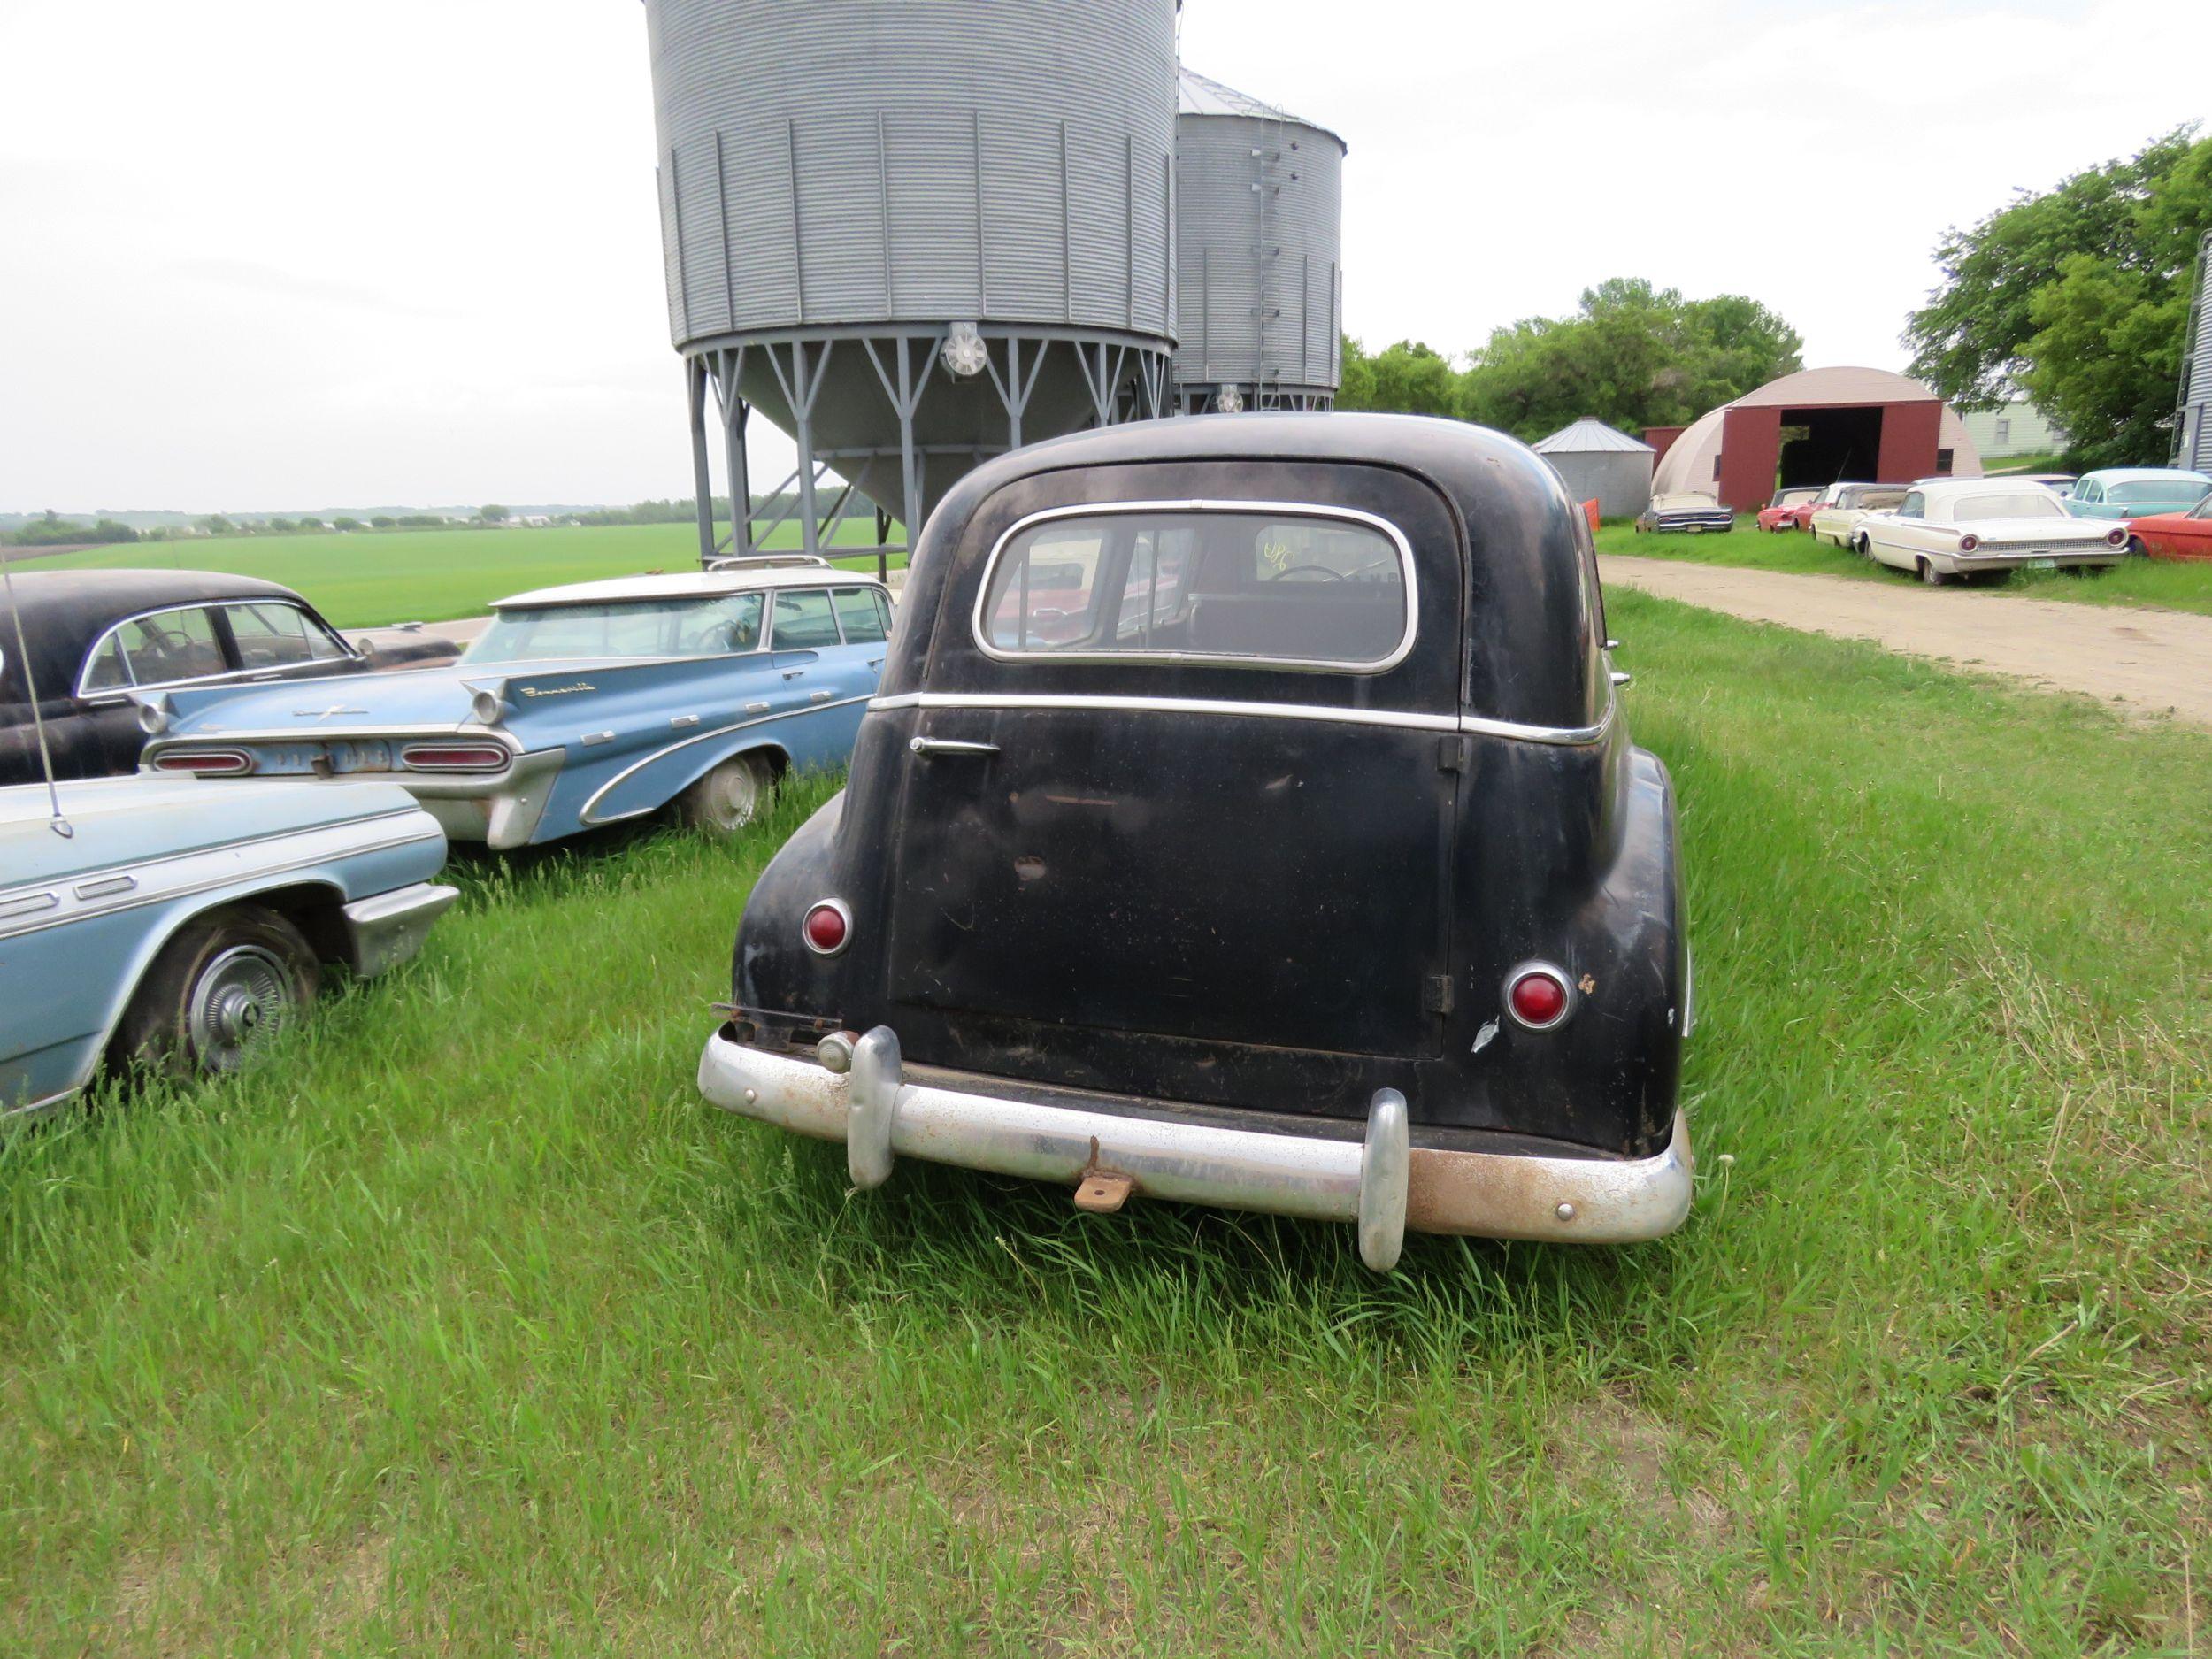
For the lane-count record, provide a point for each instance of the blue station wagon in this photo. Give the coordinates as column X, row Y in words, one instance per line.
column 579, row 706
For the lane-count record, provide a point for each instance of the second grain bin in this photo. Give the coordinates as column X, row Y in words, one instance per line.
column 1258, row 233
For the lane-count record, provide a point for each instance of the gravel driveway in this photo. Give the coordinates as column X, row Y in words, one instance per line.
column 2155, row 661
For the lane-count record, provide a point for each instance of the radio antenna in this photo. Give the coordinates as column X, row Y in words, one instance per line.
column 60, row 824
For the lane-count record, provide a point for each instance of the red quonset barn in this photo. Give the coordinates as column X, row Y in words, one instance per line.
column 1816, row 426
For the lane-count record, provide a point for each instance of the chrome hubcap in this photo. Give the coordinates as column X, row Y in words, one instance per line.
column 241, row 1000
column 736, row 793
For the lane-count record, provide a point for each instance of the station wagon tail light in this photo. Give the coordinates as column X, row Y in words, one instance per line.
column 1969, row 543
column 2118, row 538
column 207, row 763
column 828, row 927
column 453, row 756
column 1537, row 996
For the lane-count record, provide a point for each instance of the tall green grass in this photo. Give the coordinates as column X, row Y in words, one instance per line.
column 2168, row 584
column 367, row 578
column 466, row 1327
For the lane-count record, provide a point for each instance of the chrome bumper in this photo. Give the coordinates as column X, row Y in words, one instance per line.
column 1383, row 1183
column 390, row 928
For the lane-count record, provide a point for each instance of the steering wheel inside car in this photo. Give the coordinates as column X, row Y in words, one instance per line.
column 1322, row 571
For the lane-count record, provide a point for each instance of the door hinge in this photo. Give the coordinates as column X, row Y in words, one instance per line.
column 1451, row 753
column 1436, row 994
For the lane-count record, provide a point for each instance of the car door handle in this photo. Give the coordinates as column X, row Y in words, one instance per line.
column 820, row 696
column 792, row 673
column 875, row 662
column 928, row 746
column 1619, row 679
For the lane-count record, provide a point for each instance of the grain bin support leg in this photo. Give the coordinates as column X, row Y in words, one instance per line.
column 737, row 414
column 702, row 481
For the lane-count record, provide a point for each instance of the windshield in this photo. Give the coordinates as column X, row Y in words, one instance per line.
column 1873, row 498
column 2019, row 503
column 2181, row 490
column 655, row 628
column 1793, row 497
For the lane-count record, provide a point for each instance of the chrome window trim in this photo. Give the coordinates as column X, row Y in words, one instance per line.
column 1303, row 510
column 313, row 622
column 84, row 666
column 1474, row 725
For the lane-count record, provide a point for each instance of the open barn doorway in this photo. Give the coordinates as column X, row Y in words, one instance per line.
column 1824, row 446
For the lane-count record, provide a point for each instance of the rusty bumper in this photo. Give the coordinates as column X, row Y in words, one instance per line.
column 1384, row 1182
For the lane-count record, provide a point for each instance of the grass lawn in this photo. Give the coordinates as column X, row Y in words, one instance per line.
column 2165, row 583
column 369, row 578
column 464, row 1327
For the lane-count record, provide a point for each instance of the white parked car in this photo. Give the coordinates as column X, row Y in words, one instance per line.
column 1952, row 527
column 1835, row 515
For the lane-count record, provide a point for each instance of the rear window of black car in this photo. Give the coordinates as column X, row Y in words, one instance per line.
column 1304, row 587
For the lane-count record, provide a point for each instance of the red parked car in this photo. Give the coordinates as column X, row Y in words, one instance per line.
column 2175, row 535
column 1790, row 510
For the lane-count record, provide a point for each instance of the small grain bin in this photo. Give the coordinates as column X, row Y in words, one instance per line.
column 1259, row 229
column 1600, row 465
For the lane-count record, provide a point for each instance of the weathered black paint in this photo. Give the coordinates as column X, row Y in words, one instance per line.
column 64, row 615
column 1256, row 912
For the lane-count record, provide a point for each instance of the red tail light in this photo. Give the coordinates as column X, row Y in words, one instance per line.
column 1537, row 996
column 454, row 757
column 828, row 927
column 1969, row 543
column 207, row 763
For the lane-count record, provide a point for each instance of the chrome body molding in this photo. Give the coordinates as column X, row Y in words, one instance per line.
column 1292, row 509
column 1385, row 1183
column 389, row 927
column 591, row 812
column 182, row 875
column 1472, row 724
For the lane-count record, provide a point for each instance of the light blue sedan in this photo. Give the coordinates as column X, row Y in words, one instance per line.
column 579, row 706
column 2136, row 492
column 183, row 926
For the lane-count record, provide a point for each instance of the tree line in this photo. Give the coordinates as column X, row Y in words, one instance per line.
column 1632, row 355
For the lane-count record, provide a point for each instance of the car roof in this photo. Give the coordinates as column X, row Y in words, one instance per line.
column 2143, row 475
column 1941, row 487
column 64, row 611
column 685, row 585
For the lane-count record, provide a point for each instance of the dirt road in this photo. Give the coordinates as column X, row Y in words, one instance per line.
column 2157, row 662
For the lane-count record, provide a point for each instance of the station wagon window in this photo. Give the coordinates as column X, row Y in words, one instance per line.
column 804, row 621
column 1308, row 588
column 862, row 613
column 660, row 627
column 279, row 636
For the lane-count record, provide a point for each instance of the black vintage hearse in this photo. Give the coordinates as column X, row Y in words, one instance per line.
column 1248, row 818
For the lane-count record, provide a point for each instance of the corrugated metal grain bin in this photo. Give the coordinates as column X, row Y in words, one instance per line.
column 842, row 174
column 1598, row 464
column 1259, row 231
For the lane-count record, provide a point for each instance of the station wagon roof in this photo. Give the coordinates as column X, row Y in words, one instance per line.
column 684, row 585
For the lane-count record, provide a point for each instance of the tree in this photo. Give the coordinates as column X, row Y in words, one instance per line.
column 1632, row 355
column 1408, row 377
column 216, row 524
column 345, row 522
column 492, row 515
column 381, row 521
column 2078, row 297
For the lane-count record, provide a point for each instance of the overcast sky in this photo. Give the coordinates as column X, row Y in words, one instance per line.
column 265, row 256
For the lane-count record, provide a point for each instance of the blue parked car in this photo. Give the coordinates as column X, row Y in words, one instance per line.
column 579, row 706
column 2136, row 492
column 184, row 925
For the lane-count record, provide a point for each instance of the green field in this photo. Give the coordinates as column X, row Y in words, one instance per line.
column 463, row 1327
column 2138, row 581
column 367, row 578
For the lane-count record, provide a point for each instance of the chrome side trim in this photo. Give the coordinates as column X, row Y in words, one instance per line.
column 1484, row 1194
column 1468, row 723
column 590, row 813
column 211, row 869
column 30, row 1108
column 1303, row 510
